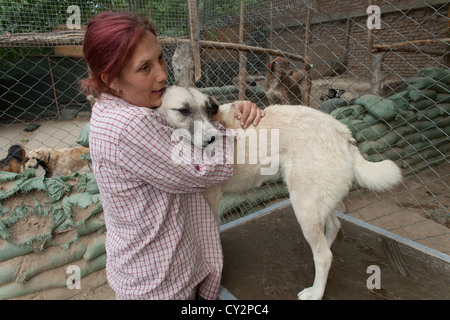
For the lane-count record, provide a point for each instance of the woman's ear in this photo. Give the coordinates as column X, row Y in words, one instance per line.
column 114, row 85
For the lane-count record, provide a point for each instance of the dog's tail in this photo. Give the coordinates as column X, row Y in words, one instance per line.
column 376, row 176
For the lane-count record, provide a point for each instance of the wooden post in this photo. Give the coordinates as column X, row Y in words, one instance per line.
column 271, row 26
column 307, row 94
column 347, row 40
column 447, row 54
column 53, row 86
column 242, row 55
column 377, row 73
column 369, row 33
column 183, row 65
column 193, row 24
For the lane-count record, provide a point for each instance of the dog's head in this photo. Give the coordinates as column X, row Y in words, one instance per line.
column 280, row 67
column 190, row 110
column 37, row 157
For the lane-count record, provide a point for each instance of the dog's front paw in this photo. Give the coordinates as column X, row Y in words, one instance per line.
column 310, row 294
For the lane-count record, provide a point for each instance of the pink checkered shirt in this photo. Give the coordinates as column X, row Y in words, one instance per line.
column 162, row 239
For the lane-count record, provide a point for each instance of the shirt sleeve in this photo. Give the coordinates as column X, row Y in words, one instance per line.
column 159, row 155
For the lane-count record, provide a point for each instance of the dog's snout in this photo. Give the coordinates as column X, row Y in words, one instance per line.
column 211, row 139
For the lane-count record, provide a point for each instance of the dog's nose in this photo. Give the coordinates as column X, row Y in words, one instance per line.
column 209, row 138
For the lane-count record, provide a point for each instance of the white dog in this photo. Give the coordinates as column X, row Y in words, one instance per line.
column 316, row 156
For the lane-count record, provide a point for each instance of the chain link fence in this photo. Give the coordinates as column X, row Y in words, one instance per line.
column 342, row 57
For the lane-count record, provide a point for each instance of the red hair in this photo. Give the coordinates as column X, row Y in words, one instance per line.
column 109, row 43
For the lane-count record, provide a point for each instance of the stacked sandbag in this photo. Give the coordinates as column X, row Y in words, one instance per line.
column 411, row 127
column 46, row 226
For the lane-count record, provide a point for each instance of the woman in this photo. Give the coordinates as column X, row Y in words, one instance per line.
column 162, row 240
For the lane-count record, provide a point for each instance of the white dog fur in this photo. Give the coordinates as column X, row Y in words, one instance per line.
column 317, row 159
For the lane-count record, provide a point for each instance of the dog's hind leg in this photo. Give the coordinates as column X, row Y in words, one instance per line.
column 313, row 226
column 332, row 227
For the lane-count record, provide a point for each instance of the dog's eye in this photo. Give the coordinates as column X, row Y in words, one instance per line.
column 185, row 111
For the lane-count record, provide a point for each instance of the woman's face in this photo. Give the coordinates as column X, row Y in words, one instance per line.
column 143, row 80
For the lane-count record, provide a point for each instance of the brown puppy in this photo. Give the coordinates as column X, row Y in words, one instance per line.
column 62, row 161
column 284, row 84
column 14, row 160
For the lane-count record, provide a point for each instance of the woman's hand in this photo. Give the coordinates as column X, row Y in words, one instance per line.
column 248, row 113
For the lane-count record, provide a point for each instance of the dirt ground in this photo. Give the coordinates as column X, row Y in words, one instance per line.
column 417, row 210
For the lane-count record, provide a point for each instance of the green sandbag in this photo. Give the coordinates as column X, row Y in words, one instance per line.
column 434, row 112
column 250, row 200
column 350, row 112
column 443, row 98
column 403, row 119
column 436, row 73
column 399, row 96
column 435, row 133
column 391, row 137
column 423, row 144
column 370, row 119
column 95, row 248
column 355, row 125
column 54, row 257
column 401, row 99
column 409, row 139
column 383, row 143
column 50, row 279
column 87, row 183
column 56, row 188
column 93, row 224
column 81, row 200
column 9, row 270
column 36, row 183
column 426, row 154
column 389, row 154
column 378, row 107
column 422, row 125
column 425, row 83
column 417, row 95
column 8, row 176
column 332, row 104
column 83, row 139
column 371, row 133
column 435, row 136
column 371, row 147
column 442, row 122
column 9, row 250
column 421, row 105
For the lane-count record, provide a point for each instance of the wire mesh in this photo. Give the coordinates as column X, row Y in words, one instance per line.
column 343, row 49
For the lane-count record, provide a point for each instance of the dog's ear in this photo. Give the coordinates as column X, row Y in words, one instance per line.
column 270, row 65
column 212, row 106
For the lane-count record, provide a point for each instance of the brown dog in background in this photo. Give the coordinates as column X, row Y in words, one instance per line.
column 284, row 83
column 62, row 161
column 15, row 159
